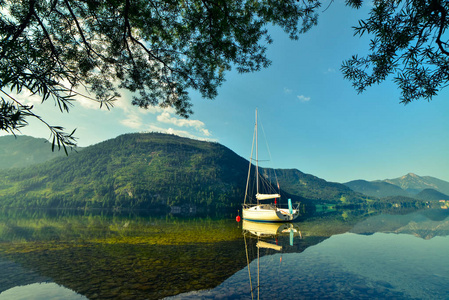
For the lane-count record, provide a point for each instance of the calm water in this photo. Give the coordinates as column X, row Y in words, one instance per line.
column 338, row 255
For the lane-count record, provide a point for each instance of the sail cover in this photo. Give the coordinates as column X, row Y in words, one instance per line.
column 267, row 196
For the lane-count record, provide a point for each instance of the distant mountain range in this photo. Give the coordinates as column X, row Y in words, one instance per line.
column 411, row 185
column 154, row 170
column 414, row 184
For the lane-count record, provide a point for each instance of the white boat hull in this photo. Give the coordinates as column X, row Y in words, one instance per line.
column 268, row 213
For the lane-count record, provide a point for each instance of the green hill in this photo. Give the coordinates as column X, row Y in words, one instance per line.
column 431, row 195
column 377, row 189
column 317, row 189
column 23, row 151
column 150, row 171
column 132, row 171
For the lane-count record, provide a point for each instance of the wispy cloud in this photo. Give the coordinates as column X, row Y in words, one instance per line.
column 144, row 120
column 288, row 91
column 133, row 121
column 179, row 132
column 88, row 103
column 303, row 98
column 330, row 71
column 166, row 118
column 154, row 118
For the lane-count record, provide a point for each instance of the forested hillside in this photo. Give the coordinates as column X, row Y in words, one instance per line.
column 133, row 171
column 431, row 195
column 153, row 170
column 312, row 187
column 23, row 151
column 377, row 189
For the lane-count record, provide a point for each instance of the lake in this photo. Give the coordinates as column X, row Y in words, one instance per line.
column 350, row 254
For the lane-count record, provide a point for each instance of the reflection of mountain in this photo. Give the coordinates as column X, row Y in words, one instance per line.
column 121, row 257
column 345, row 266
column 147, row 256
column 127, row 255
column 418, row 224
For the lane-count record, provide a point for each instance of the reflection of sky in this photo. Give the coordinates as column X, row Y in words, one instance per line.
column 348, row 266
column 40, row 291
column 412, row 265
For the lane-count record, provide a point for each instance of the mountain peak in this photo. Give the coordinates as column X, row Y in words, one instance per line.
column 414, row 183
column 410, row 175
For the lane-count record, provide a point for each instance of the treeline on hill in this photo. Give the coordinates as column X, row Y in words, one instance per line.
column 15, row 151
column 312, row 187
column 140, row 171
column 156, row 171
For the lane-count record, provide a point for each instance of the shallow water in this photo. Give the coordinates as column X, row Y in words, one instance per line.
column 347, row 266
column 341, row 255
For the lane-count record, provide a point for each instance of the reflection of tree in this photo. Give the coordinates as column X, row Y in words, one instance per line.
column 120, row 257
column 135, row 271
column 137, row 257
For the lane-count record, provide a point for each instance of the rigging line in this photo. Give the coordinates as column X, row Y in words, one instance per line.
column 249, row 170
column 266, row 140
column 269, row 155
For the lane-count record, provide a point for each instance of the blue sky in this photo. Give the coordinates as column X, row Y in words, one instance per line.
column 313, row 119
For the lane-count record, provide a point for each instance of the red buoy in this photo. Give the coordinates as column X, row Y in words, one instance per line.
column 237, row 218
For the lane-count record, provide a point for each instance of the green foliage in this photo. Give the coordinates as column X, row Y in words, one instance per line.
column 139, row 171
column 157, row 50
column 431, row 195
column 156, row 171
column 377, row 189
column 401, row 201
column 145, row 254
column 317, row 189
column 408, row 41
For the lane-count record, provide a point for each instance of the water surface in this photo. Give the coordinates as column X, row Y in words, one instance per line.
column 342, row 255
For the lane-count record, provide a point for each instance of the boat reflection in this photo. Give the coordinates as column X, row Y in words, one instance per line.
column 271, row 237
column 267, row 229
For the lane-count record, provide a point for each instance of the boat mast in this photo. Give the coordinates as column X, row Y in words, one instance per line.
column 249, row 168
column 257, row 162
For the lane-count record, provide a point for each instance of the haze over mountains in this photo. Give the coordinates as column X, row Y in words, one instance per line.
column 152, row 169
column 409, row 185
column 24, row 151
column 413, row 183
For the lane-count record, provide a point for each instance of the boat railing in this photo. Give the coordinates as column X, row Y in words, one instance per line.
column 283, row 207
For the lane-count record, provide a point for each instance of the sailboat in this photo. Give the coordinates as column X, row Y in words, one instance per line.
column 262, row 210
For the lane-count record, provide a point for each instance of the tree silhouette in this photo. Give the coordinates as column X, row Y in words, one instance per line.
column 158, row 50
column 409, row 41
